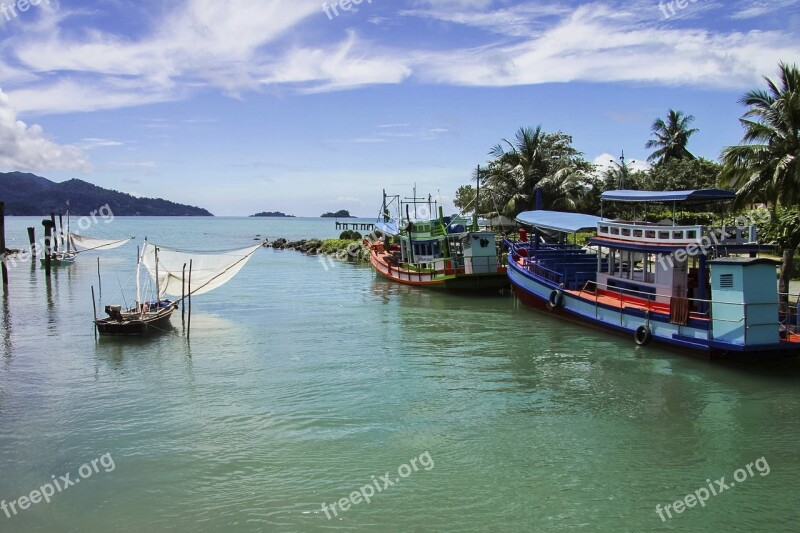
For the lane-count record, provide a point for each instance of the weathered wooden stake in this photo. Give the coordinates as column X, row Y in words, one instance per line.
column 48, row 228
column 32, row 240
column 99, row 281
column 94, row 306
column 3, row 244
column 54, row 228
column 189, row 325
column 183, row 293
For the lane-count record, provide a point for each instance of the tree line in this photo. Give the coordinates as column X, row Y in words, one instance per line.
column 763, row 169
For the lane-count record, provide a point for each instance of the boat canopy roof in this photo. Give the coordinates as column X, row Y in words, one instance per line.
column 389, row 228
column 558, row 220
column 699, row 196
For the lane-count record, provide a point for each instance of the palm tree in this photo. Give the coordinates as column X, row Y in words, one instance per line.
column 765, row 167
column 519, row 167
column 671, row 137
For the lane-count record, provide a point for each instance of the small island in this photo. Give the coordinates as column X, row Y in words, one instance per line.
column 344, row 213
column 273, row 214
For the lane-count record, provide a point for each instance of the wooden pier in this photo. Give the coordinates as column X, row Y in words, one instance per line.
column 354, row 226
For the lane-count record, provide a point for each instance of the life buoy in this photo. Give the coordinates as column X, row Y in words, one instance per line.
column 643, row 335
column 556, row 299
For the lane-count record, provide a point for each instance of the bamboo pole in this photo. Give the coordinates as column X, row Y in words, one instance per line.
column 99, row 281
column 3, row 245
column 189, row 325
column 183, row 293
column 94, row 306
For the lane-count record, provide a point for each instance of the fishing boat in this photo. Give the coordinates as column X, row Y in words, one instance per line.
column 441, row 252
column 73, row 244
column 697, row 288
column 173, row 273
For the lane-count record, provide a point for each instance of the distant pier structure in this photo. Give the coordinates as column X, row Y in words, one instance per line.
column 344, row 226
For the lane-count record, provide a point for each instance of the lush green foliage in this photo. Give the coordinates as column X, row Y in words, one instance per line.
column 671, row 138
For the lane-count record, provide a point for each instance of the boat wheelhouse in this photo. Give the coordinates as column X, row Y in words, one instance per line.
column 444, row 252
column 696, row 287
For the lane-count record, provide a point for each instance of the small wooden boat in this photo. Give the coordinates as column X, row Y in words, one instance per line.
column 141, row 320
column 167, row 269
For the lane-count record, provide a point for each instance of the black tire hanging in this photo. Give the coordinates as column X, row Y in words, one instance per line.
column 643, row 335
column 556, row 299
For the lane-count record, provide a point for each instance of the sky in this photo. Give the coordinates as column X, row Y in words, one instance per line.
column 305, row 106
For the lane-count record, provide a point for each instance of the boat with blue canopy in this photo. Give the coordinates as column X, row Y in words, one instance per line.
column 700, row 288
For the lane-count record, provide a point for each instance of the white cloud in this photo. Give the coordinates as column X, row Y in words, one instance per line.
column 24, row 147
column 241, row 45
column 758, row 8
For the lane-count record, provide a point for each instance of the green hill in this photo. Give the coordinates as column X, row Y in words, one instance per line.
column 31, row 195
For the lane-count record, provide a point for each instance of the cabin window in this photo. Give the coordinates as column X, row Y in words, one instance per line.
column 637, row 233
column 650, row 234
column 663, row 235
column 626, row 232
column 691, row 234
column 726, row 281
column 677, row 235
column 614, row 231
column 603, row 229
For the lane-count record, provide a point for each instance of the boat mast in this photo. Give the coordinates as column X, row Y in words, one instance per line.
column 477, row 199
column 138, row 268
column 158, row 286
column 68, row 237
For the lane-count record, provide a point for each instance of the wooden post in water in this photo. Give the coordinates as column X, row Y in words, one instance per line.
column 183, row 293
column 32, row 240
column 99, row 281
column 48, row 228
column 94, row 306
column 189, row 325
column 54, row 232
column 3, row 245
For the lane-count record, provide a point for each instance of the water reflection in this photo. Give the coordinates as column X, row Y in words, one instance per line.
column 6, row 320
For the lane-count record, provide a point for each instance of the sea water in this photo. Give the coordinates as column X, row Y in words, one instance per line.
column 306, row 386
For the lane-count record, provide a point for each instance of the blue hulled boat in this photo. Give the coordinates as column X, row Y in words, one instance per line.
column 698, row 288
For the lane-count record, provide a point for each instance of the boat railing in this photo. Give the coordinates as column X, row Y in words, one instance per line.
column 694, row 234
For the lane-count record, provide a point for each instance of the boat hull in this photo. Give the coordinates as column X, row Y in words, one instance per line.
column 583, row 308
column 493, row 281
column 158, row 323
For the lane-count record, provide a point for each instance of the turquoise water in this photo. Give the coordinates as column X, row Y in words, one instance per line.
column 299, row 384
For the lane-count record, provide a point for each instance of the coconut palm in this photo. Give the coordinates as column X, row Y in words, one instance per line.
column 671, row 137
column 765, row 167
column 519, row 167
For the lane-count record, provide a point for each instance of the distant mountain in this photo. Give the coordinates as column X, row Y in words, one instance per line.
column 339, row 214
column 274, row 214
column 31, row 195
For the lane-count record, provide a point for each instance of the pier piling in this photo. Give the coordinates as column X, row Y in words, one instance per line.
column 48, row 229
column 189, row 324
column 32, row 240
column 54, row 233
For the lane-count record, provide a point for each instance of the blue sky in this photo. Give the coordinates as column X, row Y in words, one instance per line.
column 241, row 106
